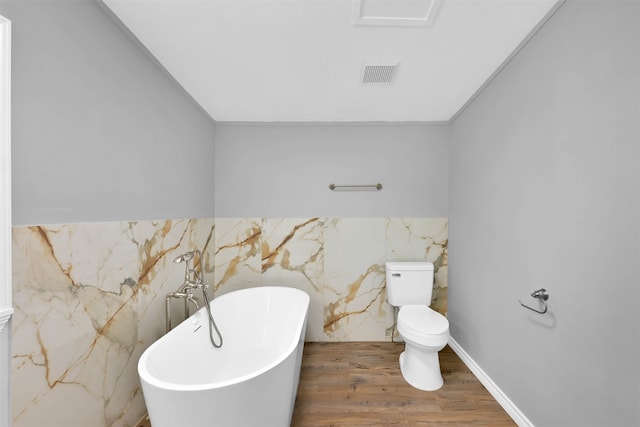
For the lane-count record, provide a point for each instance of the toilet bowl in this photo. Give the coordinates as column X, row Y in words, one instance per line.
column 424, row 331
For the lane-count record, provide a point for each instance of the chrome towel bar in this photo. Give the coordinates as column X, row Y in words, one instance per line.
column 377, row 186
column 541, row 295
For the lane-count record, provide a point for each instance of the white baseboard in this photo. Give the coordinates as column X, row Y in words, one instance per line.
column 506, row 403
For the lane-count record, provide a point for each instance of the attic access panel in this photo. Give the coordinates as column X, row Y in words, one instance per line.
column 395, row 13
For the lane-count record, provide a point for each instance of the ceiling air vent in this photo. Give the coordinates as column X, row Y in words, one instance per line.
column 376, row 74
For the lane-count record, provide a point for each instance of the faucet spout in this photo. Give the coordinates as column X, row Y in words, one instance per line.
column 194, row 300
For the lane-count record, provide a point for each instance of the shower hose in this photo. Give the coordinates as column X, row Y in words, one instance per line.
column 212, row 323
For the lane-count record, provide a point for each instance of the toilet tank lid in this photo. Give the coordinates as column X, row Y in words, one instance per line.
column 409, row 266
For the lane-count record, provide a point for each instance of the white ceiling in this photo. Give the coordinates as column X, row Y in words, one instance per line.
column 302, row 60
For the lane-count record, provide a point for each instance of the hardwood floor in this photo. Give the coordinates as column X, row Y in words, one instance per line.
column 359, row 384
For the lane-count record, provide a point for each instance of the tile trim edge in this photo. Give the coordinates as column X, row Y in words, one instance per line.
column 5, row 315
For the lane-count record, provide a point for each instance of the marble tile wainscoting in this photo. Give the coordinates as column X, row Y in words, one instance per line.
column 339, row 262
column 89, row 298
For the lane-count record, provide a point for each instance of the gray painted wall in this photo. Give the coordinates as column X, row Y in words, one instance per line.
column 544, row 184
column 545, row 193
column 284, row 170
column 99, row 132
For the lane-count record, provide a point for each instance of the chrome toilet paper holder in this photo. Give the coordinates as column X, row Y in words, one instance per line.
column 541, row 295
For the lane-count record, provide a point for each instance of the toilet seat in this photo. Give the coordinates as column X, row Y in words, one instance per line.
column 422, row 325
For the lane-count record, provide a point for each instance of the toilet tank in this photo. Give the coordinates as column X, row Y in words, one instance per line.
column 409, row 283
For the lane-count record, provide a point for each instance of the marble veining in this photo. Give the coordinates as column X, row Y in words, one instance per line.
column 354, row 290
column 82, row 295
column 293, row 255
column 89, row 298
column 237, row 253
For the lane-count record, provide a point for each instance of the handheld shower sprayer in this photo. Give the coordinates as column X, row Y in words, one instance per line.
column 192, row 277
column 185, row 257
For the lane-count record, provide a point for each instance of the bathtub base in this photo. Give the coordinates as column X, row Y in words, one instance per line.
column 265, row 401
column 251, row 381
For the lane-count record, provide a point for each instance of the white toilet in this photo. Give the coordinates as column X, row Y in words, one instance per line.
column 425, row 331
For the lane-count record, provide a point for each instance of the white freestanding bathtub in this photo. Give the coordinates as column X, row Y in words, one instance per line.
column 251, row 381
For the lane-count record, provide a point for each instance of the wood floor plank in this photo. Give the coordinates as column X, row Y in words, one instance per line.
column 360, row 384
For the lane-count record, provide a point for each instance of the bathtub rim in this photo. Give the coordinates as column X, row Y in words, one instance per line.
column 147, row 377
